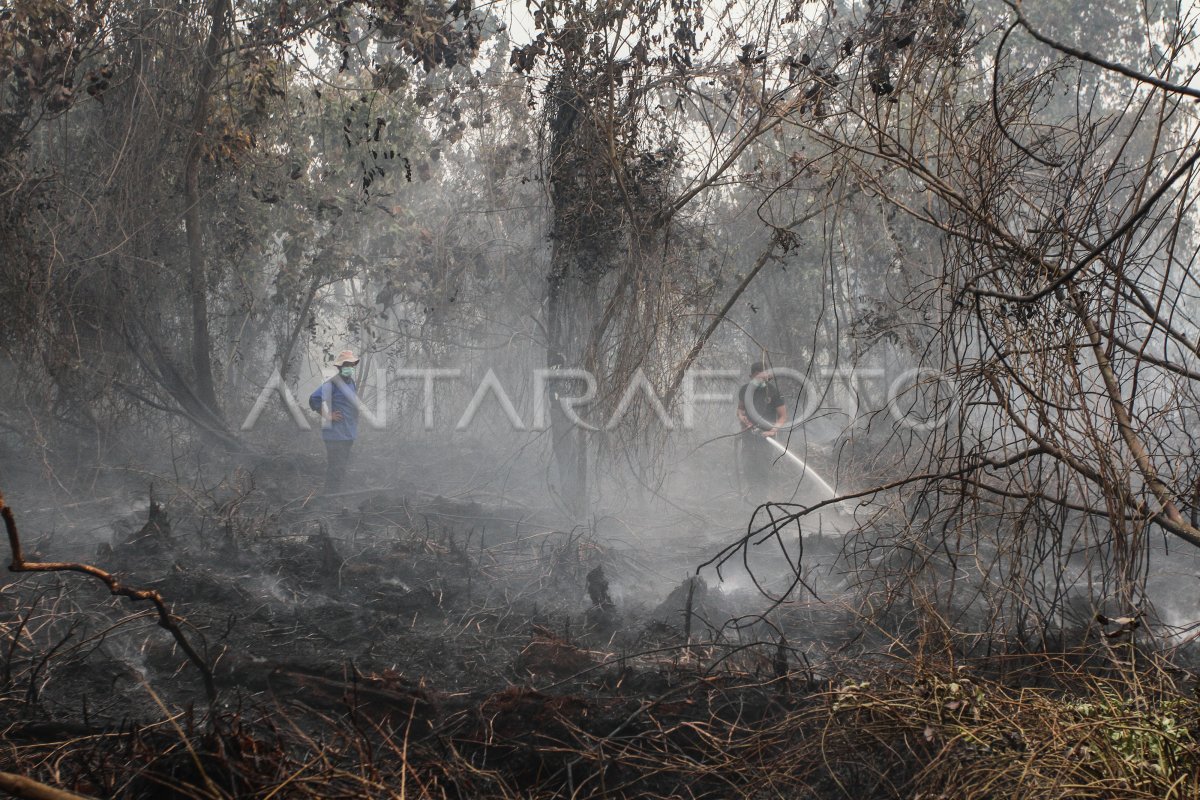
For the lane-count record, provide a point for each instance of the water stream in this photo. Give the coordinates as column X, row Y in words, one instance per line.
column 803, row 465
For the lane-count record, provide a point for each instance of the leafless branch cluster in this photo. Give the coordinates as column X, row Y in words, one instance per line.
column 1059, row 346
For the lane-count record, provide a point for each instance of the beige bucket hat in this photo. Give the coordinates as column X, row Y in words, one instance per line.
column 345, row 357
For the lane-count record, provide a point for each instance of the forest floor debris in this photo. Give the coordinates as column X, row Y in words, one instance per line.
column 430, row 648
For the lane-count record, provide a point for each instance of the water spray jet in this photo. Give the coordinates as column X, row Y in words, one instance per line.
column 807, row 470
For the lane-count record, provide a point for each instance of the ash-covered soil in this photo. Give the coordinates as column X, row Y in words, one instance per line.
column 389, row 642
column 515, row 645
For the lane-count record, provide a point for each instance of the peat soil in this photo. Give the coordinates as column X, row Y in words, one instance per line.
column 521, row 647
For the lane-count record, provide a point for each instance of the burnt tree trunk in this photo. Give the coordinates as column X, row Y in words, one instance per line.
column 580, row 237
column 608, row 196
column 219, row 12
column 570, row 306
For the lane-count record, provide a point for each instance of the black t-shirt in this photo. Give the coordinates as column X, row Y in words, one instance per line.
column 764, row 400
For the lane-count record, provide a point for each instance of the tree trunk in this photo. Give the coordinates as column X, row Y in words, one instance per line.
column 569, row 307
column 286, row 353
column 197, row 275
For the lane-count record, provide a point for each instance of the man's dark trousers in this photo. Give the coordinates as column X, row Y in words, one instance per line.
column 337, row 452
column 757, row 456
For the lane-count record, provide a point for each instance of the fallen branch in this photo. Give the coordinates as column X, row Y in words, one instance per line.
column 20, row 786
column 165, row 618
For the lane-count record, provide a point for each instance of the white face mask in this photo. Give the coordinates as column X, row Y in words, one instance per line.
column 347, row 373
column 759, row 382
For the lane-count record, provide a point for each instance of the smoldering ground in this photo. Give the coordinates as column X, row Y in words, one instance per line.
column 378, row 602
column 396, row 617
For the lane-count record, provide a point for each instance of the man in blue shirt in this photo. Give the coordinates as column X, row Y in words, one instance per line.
column 337, row 403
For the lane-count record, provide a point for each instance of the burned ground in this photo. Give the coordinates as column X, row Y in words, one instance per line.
column 477, row 635
column 391, row 643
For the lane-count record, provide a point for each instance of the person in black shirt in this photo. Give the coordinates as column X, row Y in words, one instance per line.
column 761, row 412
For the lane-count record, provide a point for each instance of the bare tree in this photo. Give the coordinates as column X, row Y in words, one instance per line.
column 1050, row 437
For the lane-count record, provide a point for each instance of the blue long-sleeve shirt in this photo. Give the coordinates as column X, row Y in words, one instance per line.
column 337, row 394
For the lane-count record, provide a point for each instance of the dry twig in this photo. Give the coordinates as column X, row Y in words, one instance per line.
column 165, row 618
